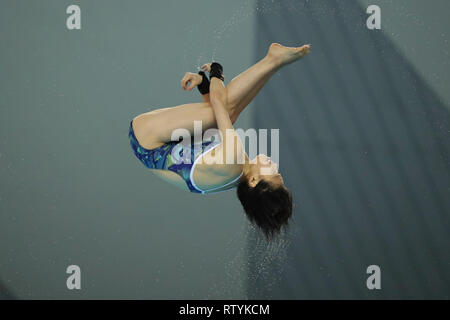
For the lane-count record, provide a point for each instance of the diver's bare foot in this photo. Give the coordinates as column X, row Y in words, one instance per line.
column 285, row 55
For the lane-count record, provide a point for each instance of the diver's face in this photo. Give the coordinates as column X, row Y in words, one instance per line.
column 267, row 170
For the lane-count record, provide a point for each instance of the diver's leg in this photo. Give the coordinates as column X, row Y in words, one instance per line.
column 154, row 128
column 244, row 87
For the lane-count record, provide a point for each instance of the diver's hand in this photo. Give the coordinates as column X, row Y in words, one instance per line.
column 191, row 80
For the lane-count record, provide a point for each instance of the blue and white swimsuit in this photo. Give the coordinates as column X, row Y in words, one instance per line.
column 170, row 157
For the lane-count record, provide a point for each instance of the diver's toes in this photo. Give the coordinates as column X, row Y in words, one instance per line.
column 304, row 50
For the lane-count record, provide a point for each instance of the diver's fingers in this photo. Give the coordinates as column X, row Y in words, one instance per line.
column 191, row 86
column 185, row 81
column 186, row 84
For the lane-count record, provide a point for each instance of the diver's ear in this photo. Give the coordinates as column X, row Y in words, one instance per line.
column 252, row 181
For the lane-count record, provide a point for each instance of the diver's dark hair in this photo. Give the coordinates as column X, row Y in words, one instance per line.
column 266, row 206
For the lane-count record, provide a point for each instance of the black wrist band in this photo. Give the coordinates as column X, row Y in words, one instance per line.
column 216, row 71
column 204, row 86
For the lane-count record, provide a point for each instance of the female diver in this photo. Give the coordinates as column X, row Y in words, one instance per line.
column 266, row 201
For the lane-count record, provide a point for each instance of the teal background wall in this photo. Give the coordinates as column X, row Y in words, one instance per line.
column 71, row 191
column 364, row 147
column 419, row 30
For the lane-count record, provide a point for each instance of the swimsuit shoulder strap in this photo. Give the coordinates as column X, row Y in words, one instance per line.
column 226, row 184
column 212, row 189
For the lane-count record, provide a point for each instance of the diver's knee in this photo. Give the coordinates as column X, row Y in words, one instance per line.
column 147, row 125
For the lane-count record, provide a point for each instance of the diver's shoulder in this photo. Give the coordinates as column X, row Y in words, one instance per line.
column 222, row 170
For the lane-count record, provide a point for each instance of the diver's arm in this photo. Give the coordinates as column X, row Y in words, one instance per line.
column 203, row 86
column 218, row 99
column 205, row 98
